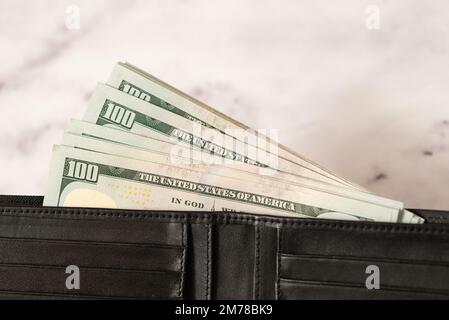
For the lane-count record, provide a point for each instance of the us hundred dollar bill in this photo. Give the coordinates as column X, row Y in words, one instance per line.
column 84, row 178
column 111, row 107
column 89, row 136
column 138, row 83
column 236, row 173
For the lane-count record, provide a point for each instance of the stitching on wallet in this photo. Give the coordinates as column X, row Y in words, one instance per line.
column 92, row 243
column 208, row 238
column 279, row 250
column 181, row 262
column 361, row 259
column 89, row 268
column 78, row 296
column 352, row 285
column 438, row 218
column 206, row 274
column 256, row 289
column 182, row 217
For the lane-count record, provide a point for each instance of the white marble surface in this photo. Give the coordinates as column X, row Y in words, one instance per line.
column 372, row 105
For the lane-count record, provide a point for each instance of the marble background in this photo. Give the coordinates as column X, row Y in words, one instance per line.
column 372, row 105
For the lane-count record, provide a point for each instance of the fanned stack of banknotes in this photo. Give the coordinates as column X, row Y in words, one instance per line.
column 143, row 144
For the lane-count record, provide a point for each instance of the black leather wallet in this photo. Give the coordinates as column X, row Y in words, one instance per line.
column 202, row 255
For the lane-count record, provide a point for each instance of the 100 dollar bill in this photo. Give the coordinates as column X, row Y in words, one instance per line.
column 111, row 107
column 138, row 83
column 109, row 140
column 327, row 193
column 90, row 179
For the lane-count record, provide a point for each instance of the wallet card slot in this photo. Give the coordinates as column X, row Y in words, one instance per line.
column 119, row 254
column 94, row 282
column 107, row 255
column 382, row 241
column 366, row 259
column 17, row 295
column 407, row 276
column 92, row 230
column 11, row 295
column 311, row 290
